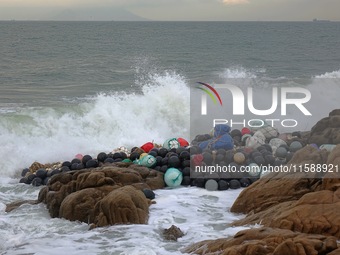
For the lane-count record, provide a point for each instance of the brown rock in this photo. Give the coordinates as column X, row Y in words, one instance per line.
column 172, row 233
column 65, row 184
column 266, row 241
column 12, row 206
column 80, row 205
column 327, row 130
column 331, row 180
column 35, row 166
column 280, row 187
column 124, row 205
column 314, row 213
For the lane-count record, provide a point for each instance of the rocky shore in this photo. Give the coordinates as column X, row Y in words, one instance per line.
column 295, row 215
column 298, row 213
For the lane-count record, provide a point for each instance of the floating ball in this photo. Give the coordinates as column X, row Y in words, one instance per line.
column 46, row 180
column 86, row 158
column 207, row 158
column 184, row 155
column 165, row 161
column 219, row 158
column 148, row 161
column 23, row 180
column 37, row 181
column 143, row 155
column 109, row 160
column 162, row 152
column 297, row 134
column 281, row 152
column 186, row 171
column 76, row 160
column 41, row 173
column 173, row 177
column 54, row 172
column 74, row 166
column 134, row 156
column 183, row 142
column 239, row 158
column 79, row 156
column 245, row 131
column 269, row 159
column 186, row 163
column 171, row 143
column 245, row 182
column 199, row 182
column 149, row 194
column 259, row 160
column 254, row 170
column 234, row 184
column 63, row 169
column 235, row 132
column 147, row 147
column 163, row 169
column 174, row 161
column 159, row 160
column 80, row 166
column 195, row 150
column 91, row 163
column 295, row 146
column 289, row 156
column 24, row 172
column 66, row 163
column 223, row 185
column 211, row 185
column 186, row 181
column 101, row 157
column 229, row 157
column 153, row 153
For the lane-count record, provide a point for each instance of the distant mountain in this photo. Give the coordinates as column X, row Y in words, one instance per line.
column 96, row 14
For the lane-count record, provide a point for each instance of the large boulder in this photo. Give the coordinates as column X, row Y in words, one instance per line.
column 73, row 195
column 303, row 205
column 266, row 241
column 279, row 187
column 326, row 130
column 125, row 205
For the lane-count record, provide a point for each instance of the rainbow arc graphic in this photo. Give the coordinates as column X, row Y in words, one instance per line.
column 211, row 92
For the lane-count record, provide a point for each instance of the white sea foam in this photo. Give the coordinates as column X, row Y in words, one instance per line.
column 100, row 123
column 332, row 75
column 199, row 213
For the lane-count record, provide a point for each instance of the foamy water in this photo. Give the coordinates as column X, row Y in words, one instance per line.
column 199, row 213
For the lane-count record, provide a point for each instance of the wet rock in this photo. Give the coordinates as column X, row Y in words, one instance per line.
column 74, row 194
column 266, row 241
column 326, row 130
column 12, row 206
column 172, row 233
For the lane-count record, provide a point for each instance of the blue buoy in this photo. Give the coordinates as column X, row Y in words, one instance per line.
column 173, row 177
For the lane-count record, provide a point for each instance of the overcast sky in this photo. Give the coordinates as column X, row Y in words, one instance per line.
column 233, row 10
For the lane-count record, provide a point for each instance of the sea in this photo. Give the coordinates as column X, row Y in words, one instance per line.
column 90, row 87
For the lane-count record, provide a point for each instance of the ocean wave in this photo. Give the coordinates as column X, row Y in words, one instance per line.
column 334, row 74
column 101, row 123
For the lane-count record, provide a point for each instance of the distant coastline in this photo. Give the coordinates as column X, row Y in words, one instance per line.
column 321, row 20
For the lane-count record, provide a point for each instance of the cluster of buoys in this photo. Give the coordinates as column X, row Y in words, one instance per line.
column 177, row 159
